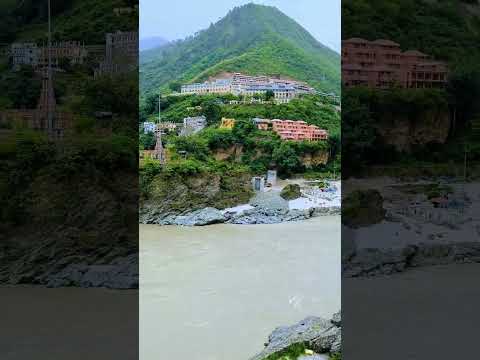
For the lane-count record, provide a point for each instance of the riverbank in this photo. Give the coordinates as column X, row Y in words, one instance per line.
column 413, row 233
column 268, row 275
column 311, row 338
column 265, row 207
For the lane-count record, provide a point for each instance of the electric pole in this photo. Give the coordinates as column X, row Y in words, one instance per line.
column 49, row 71
column 158, row 132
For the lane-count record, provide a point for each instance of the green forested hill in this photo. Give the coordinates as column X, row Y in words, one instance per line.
column 253, row 39
column 83, row 20
column 446, row 29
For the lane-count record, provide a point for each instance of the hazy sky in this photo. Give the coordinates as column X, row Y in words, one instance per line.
column 179, row 18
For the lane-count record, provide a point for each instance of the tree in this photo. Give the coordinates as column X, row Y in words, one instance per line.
column 358, row 132
column 175, row 86
column 213, row 113
column 286, row 159
column 243, row 129
column 147, row 141
column 269, row 95
column 22, row 88
column 151, row 104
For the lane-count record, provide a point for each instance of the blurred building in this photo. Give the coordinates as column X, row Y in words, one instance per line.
column 30, row 54
column 262, row 124
column 149, row 127
column 167, row 126
column 45, row 118
column 72, row 51
column 227, row 123
column 192, row 125
column 382, row 64
column 24, row 54
column 121, row 54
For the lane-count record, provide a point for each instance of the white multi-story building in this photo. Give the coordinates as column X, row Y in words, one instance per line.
column 192, row 125
column 240, row 84
column 221, row 86
column 282, row 93
column 149, row 127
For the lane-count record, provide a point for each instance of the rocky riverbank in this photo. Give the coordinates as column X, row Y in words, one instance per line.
column 318, row 336
column 255, row 215
column 400, row 229
column 264, row 208
column 371, row 261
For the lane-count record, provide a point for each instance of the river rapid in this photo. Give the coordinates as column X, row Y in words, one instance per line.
column 217, row 292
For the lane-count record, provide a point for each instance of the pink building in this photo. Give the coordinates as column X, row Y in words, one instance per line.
column 298, row 130
column 382, row 64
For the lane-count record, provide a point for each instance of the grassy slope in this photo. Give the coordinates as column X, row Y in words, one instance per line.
column 253, row 39
column 309, row 108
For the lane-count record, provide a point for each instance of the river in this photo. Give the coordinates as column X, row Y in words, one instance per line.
column 216, row 292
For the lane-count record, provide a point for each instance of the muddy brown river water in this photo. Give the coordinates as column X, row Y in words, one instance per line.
column 215, row 293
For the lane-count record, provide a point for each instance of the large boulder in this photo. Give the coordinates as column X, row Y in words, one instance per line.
column 318, row 334
column 291, row 192
column 362, row 208
column 201, row 217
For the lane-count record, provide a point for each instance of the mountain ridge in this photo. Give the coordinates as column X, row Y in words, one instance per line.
column 152, row 42
column 254, row 39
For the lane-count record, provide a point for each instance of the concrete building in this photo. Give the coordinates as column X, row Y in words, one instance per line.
column 227, row 123
column 382, row 64
column 149, row 127
column 258, row 183
column 119, row 11
column 298, row 131
column 220, row 86
column 37, row 56
column 121, row 54
column 192, row 125
column 272, row 177
column 262, row 124
column 24, row 54
column 282, row 93
column 167, row 126
column 292, row 130
column 240, row 84
column 72, row 51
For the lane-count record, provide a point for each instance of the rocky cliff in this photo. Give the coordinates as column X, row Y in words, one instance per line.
column 405, row 131
column 177, row 195
column 80, row 232
column 235, row 152
column 310, row 160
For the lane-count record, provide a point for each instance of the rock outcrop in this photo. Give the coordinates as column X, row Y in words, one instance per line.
column 372, row 262
column 362, row 208
column 318, row 334
column 170, row 197
column 310, row 160
column 403, row 132
column 120, row 274
column 291, row 192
